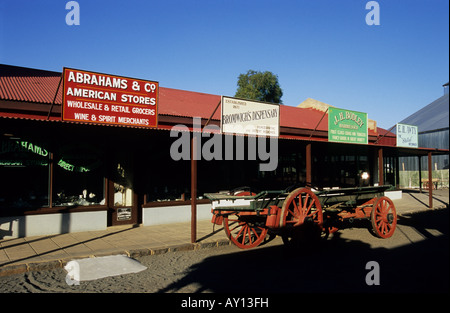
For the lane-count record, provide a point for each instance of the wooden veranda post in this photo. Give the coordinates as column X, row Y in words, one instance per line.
column 380, row 167
column 420, row 174
column 308, row 166
column 193, row 188
column 430, row 182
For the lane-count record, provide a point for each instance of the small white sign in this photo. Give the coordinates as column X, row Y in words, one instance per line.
column 250, row 117
column 100, row 267
column 407, row 136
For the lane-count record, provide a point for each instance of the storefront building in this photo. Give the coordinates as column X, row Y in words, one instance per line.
column 59, row 175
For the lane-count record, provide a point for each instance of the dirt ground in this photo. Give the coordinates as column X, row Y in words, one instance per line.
column 162, row 271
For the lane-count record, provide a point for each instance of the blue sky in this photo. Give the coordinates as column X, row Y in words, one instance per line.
column 322, row 49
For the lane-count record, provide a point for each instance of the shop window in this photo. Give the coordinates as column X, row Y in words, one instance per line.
column 339, row 168
column 288, row 172
column 390, row 168
column 24, row 174
column 167, row 183
column 78, row 177
column 123, row 187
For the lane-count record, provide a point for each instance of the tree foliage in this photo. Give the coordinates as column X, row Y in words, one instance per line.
column 261, row 86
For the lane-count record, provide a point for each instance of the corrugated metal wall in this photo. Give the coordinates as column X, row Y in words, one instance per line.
column 437, row 139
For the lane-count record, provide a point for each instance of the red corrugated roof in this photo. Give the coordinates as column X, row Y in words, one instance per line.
column 30, row 85
column 295, row 117
column 39, row 86
column 187, row 103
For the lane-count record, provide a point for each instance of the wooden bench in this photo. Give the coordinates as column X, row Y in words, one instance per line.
column 434, row 181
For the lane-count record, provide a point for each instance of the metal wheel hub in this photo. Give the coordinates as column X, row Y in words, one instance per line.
column 389, row 218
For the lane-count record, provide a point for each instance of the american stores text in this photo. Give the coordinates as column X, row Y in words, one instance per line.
column 101, row 98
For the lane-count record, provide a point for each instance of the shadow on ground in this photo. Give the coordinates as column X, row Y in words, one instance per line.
column 333, row 265
column 440, row 197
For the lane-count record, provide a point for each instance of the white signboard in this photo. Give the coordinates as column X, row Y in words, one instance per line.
column 250, row 117
column 407, row 136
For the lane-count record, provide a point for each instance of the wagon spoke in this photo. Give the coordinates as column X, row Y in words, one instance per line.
column 389, row 208
column 385, row 228
column 309, row 208
column 238, row 225
column 249, row 232
column 232, row 229
column 292, row 213
column 385, row 206
column 296, row 208
column 295, row 205
column 306, row 201
column 381, row 228
column 242, row 229
column 252, row 232
column 245, row 233
column 258, row 234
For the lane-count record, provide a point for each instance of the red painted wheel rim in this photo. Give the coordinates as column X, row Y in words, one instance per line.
column 244, row 231
column 384, row 217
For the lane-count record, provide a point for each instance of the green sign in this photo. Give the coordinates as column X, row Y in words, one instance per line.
column 347, row 126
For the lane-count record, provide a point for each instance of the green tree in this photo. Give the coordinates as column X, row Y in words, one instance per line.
column 261, row 86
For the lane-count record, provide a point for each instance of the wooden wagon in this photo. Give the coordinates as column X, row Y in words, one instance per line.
column 248, row 217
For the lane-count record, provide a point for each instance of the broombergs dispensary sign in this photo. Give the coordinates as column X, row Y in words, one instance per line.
column 106, row 99
column 250, row 117
column 347, row 126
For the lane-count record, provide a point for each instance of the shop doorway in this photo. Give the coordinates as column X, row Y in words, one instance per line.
column 122, row 198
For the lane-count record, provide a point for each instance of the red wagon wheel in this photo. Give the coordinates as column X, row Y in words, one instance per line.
column 383, row 217
column 245, row 231
column 301, row 208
